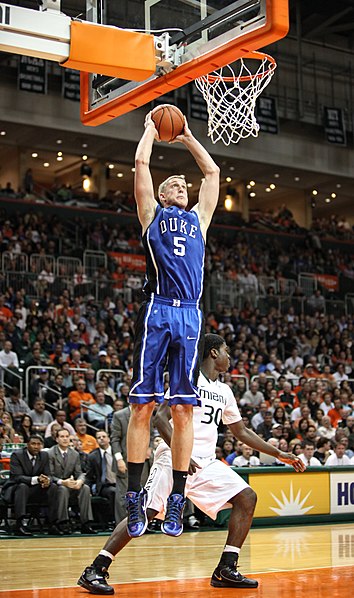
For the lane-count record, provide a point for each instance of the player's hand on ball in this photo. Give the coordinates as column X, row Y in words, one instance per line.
column 187, row 133
column 292, row 460
column 150, row 123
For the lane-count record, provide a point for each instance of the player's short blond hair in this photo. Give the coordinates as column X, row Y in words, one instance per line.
column 162, row 187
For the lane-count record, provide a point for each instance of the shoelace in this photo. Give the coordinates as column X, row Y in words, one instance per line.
column 102, row 574
column 174, row 512
column 133, row 507
column 234, row 572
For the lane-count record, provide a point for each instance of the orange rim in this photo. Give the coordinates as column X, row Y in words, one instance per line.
column 255, row 56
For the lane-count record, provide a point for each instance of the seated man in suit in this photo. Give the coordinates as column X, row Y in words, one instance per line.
column 66, row 471
column 30, row 481
column 100, row 475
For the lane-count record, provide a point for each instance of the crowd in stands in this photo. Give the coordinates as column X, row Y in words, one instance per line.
column 240, row 258
column 281, row 219
column 292, row 374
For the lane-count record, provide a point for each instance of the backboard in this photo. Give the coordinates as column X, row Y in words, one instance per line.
column 192, row 38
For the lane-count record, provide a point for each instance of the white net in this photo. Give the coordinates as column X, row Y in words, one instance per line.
column 231, row 93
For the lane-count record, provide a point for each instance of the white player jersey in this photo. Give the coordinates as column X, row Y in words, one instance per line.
column 217, row 403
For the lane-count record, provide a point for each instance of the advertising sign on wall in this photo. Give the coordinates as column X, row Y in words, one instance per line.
column 342, row 492
column 291, row 494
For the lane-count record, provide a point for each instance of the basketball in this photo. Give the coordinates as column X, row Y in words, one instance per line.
column 169, row 121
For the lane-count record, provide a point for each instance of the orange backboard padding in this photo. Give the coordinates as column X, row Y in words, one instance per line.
column 110, row 51
column 276, row 27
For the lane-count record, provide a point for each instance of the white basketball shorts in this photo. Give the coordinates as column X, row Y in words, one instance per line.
column 210, row 488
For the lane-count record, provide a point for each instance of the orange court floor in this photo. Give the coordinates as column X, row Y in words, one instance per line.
column 314, row 561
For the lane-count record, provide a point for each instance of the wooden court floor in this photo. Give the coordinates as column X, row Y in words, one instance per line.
column 308, row 561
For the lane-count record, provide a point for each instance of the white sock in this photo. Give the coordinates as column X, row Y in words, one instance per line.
column 229, row 548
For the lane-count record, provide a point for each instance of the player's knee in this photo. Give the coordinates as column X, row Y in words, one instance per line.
column 251, row 499
column 246, row 501
column 141, row 414
column 182, row 415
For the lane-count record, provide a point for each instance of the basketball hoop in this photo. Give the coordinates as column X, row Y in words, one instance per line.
column 231, row 97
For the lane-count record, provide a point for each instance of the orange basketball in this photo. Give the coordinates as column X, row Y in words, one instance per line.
column 169, row 121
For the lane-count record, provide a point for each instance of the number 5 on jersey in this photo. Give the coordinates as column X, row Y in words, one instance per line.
column 180, row 248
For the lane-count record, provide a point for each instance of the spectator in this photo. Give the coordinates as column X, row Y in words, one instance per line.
column 336, row 413
column 277, row 431
column 99, row 413
column 295, row 446
column 316, row 303
column 2, row 403
column 123, row 393
column 67, row 376
column 247, row 459
column 305, row 414
column 90, row 381
column 264, row 430
column 323, row 446
column 307, row 456
column 280, row 416
column 326, row 429
column 56, row 393
column 39, row 386
column 88, row 442
column 237, row 448
column 108, row 390
column 30, row 481
column 60, row 419
column 25, row 427
column 258, row 418
column 292, row 362
column 311, row 434
column 349, row 430
column 100, row 387
column 16, row 406
column 327, row 403
column 338, row 458
column 9, row 360
column 340, row 375
column 41, row 418
column 227, row 448
column 102, row 362
column 9, row 430
column 76, row 445
column 253, row 396
column 28, row 182
column 66, row 472
column 287, row 396
column 302, row 428
column 79, row 399
column 219, row 455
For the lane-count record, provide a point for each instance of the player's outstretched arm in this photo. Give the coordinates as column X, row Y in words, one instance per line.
column 209, row 189
column 256, row 442
column 143, row 184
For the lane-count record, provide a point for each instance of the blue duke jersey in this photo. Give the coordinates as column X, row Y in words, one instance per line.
column 174, row 248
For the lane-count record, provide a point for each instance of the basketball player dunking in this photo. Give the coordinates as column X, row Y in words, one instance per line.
column 211, row 485
column 170, row 321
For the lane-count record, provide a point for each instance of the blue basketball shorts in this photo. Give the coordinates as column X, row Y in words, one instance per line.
column 168, row 331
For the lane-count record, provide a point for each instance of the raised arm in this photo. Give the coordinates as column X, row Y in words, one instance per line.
column 209, row 189
column 143, row 185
